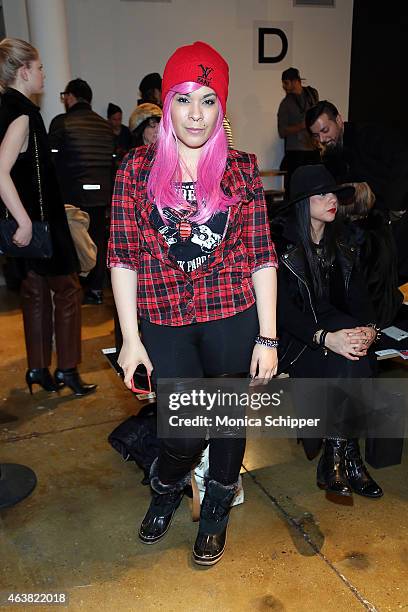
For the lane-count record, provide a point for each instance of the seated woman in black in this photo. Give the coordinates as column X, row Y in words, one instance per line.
column 325, row 318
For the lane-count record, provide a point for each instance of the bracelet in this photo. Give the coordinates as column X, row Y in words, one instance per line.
column 323, row 338
column 268, row 342
column 316, row 334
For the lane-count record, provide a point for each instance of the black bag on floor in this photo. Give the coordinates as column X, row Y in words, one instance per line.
column 136, row 439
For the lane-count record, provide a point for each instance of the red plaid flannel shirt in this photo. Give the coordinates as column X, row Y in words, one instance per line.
column 222, row 286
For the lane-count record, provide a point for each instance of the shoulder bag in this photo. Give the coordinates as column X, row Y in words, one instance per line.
column 40, row 246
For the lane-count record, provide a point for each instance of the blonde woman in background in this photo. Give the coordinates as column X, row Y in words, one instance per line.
column 24, row 155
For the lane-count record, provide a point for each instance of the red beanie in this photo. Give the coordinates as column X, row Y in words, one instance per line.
column 199, row 63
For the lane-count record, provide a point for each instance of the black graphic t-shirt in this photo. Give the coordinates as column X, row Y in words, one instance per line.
column 190, row 243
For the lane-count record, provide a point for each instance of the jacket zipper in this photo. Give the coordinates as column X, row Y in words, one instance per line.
column 311, row 306
column 305, row 284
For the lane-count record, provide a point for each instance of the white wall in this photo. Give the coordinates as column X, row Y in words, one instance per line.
column 113, row 44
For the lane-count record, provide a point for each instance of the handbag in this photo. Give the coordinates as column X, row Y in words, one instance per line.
column 136, row 439
column 40, row 246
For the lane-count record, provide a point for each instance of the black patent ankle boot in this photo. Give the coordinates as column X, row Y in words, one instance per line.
column 212, row 532
column 166, row 499
column 42, row 377
column 72, row 379
column 331, row 470
column 358, row 476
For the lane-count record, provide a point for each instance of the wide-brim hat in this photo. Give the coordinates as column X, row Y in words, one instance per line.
column 313, row 180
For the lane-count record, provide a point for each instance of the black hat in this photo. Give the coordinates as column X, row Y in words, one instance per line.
column 113, row 109
column 313, row 180
column 80, row 89
column 150, row 81
column 291, row 74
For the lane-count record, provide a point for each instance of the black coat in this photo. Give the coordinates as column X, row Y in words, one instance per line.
column 378, row 260
column 13, row 104
column 375, row 155
column 84, row 144
column 300, row 314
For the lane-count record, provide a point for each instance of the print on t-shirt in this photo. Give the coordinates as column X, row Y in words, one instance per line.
column 190, row 243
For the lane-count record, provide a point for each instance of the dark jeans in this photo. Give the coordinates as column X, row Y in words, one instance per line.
column 98, row 233
column 195, row 351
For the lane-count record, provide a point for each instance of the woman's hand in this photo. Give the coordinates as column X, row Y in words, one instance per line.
column 350, row 343
column 366, row 335
column 23, row 235
column 131, row 355
column 265, row 360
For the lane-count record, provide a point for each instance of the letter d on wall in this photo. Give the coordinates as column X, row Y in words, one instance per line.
column 263, row 58
column 272, row 44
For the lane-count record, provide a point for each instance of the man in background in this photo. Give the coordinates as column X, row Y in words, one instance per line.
column 356, row 153
column 83, row 144
column 122, row 135
column 300, row 149
column 150, row 89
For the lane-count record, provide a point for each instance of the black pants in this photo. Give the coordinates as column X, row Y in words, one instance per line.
column 204, row 349
column 98, row 233
column 313, row 363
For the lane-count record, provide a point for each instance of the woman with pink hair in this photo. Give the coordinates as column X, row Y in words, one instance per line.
column 190, row 238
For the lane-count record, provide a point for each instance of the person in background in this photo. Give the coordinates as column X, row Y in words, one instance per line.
column 122, row 137
column 151, row 89
column 144, row 124
column 190, row 238
column 24, row 154
column 326, row 321
column 370, row 230
column 300, row 149
column 83, row 143
column 374, row 154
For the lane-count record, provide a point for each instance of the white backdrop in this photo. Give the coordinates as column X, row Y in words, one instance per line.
column 114, row 43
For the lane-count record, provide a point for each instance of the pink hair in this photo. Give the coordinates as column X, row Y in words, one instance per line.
column 166, row 171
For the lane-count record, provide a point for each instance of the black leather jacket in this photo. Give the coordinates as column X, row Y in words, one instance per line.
column 83, row 144
column 299, row 311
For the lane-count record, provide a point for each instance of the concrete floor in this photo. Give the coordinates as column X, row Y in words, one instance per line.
column 289, row 549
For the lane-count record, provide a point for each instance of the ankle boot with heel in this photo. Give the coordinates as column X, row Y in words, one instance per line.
column 41, row 377
column 71, row 378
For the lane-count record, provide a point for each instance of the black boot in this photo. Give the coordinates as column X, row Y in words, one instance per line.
column 42, row 377
column 71, row 379
column 212, row 532
column 331, row 470
column 166, row 499
column 357, row 474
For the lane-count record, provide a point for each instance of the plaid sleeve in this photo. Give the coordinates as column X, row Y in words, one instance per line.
column 123, row 245
column 256, row 232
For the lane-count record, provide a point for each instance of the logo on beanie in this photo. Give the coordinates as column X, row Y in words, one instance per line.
column 204, row 78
